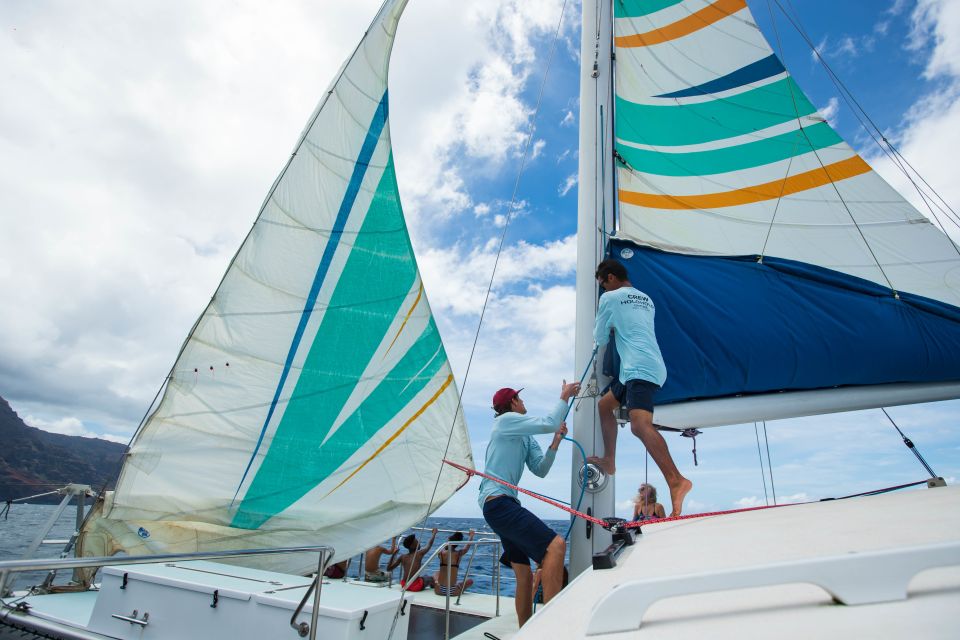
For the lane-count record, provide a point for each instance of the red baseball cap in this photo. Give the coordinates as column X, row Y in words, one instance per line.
column 505, row 396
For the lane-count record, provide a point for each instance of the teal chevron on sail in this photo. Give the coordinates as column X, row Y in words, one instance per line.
column 697, row 122
column 336, row 368
column 377, row 278
column 662, row 161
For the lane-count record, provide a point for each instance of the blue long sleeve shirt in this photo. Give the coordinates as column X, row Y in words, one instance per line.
column 512, row 447
column 630, row 313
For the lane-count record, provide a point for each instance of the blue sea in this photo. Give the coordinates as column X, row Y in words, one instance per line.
column 25, row 521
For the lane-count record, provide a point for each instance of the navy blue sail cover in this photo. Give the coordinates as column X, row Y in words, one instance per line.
column 733, row 325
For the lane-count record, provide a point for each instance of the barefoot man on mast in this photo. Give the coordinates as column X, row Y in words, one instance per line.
column 630, row 314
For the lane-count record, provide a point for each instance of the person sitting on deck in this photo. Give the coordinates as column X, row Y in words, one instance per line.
column 524, row 535
column 449, row 563
column 371, row 562
column 411, row 562
column 337, row 571
column 630, row 313
column 645, row 505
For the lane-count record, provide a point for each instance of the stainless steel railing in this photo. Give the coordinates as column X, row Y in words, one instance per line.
column 429, row 559
column 304, row 629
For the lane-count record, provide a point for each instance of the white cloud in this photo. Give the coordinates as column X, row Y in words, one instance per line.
column 568, row 184
column 748, row 502
column 930, row 131
column 935, row 23
column 569, row 119
column 71, row 426
column 456, row 277
column 691, row 505
column 538, row 147
column 134, row 160
column 819, row 50
column 897, row 7
column 830, row 111
column 468, row 108
column 847, row 46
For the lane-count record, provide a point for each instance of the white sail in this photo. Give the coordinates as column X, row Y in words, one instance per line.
column 313, row 401
column 766, row 241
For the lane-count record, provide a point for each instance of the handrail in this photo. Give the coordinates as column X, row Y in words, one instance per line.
column 864, row 577
column 41, row 564
column 326, row 553
column 429, row 559
column 481, row 532
column 466, row 573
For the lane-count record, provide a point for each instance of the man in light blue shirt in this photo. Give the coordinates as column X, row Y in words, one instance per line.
column 630, row 314
column 524, row 535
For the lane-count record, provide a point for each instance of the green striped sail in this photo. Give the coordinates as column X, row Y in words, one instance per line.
column 720, row 152
column 313, row 401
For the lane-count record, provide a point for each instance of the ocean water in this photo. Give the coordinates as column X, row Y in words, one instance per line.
column 25, row 521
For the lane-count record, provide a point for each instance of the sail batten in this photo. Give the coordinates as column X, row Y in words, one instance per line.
column 317, row 376
column 793, row 267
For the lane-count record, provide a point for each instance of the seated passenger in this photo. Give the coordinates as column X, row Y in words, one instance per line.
column 411, row 563
column 449, row 562
column 371, row 562
column 645, row 505
column 337, row 571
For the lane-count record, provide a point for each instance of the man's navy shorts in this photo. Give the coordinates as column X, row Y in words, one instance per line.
column 523, row 534
column 636, row 394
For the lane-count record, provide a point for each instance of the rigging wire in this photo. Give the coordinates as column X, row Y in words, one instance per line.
column 763, row 476
column 887, row 147
column 773, row 489
column 849, row 98
column 823, row 168
column 909, row 443
column 496, row 261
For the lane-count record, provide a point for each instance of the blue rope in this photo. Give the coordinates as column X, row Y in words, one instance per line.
column 583, row 482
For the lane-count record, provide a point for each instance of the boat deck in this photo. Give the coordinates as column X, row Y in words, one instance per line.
column 475, row 614
column 725, row 548
column 68, row 615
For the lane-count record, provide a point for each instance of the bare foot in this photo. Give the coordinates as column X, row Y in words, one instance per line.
column 677, row 494
column 605, row 465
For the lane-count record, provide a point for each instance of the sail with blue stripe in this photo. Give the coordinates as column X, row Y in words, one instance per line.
column 780, row 262
column 313, row 402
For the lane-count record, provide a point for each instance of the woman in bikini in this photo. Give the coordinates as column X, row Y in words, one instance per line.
column 645, row 505
column 450, row 561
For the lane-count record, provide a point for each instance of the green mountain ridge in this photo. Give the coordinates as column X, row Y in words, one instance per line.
column 34, row 461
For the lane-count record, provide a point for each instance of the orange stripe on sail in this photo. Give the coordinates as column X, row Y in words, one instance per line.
column 404, row 323
column 694, row 22
column 768, row 191
column 406, row 424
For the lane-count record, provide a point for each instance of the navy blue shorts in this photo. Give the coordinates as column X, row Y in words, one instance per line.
column 524, row 536
column 636, row 394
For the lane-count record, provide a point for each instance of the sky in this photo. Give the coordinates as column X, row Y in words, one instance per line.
column 137, row 142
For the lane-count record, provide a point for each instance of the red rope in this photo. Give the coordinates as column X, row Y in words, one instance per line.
column 474, row 472
column 598, row 521
column 637, row 525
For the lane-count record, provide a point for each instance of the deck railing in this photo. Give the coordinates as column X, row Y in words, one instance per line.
column 305, row 630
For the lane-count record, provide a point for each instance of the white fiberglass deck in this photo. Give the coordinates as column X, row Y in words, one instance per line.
column 793, row 533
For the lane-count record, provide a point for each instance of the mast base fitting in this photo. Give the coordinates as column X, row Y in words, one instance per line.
column 936, row 482
column 592, row 477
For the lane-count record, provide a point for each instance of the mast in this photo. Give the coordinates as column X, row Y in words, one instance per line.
column 594, row 219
